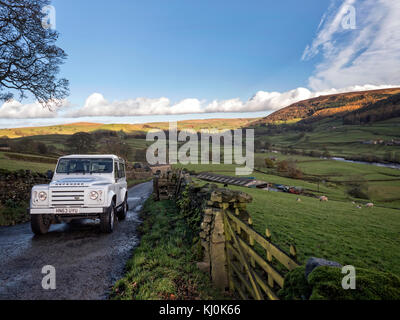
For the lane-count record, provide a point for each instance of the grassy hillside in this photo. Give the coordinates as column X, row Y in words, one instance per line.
column 339, row 140
column 72, row 128
column 326, row 106
column 13, row 165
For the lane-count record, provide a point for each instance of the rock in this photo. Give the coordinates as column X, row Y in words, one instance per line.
column 204, row 266
column 323, row 198
column 369, row 205
column 313, row 263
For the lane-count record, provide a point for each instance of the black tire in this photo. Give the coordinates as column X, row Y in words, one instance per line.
column 123, row 210
column 107, row 220
column 40, row 224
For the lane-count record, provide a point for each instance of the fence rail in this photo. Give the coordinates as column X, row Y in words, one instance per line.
column 248, row 272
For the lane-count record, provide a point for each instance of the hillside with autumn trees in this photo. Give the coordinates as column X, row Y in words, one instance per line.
column 344, row 105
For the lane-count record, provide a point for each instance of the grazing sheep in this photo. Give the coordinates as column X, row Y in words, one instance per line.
column 358, row 207
column 369, row 205
column 298, row 200
column 323, row 198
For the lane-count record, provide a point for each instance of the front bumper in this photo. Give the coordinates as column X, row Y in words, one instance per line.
column 82, row 211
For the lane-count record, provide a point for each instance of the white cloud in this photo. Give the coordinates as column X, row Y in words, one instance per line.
column 15, row 110
column 368, row 54
column 97, row 106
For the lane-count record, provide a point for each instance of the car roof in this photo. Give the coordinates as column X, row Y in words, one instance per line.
column 92, row 156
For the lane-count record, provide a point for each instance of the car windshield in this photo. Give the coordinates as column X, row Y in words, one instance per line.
column 85, row 165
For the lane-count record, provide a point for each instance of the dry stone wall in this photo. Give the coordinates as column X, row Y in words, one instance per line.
column 205, row 205
column 15, row 186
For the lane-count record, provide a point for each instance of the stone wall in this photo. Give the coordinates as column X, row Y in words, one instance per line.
column 167, row 185
column 15, row 187
column 209, row 202
column 138, row 171
column 213, row 232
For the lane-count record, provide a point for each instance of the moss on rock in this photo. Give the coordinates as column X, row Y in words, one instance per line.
column 325, row 283
column 296, row 286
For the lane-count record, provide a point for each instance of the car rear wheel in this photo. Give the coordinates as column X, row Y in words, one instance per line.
column 107, row 220
column 40, row 223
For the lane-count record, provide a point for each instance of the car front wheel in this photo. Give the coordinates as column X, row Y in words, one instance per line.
column 40, row 223
column 107, row 220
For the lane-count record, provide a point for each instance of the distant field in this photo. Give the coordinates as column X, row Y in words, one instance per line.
column 340, row 140
column 14, row 165
column 383, row 183
column 69, row 129
column 328, row 176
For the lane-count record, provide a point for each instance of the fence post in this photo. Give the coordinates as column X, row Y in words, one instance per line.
column 269, row 259
column 219, row 273
column 251, row 243
column 156, row 190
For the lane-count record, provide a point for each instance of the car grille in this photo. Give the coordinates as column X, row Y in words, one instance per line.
column 67, row 198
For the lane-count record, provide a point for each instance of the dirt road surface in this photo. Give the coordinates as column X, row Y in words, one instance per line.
column 87, row 262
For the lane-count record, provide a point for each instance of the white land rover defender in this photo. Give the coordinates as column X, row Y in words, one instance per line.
column 82, row 187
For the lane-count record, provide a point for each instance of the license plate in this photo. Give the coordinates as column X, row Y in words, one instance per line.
column 66, row 210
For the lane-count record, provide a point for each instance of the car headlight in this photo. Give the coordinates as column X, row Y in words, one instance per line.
column 94, row 195
column 42, row 196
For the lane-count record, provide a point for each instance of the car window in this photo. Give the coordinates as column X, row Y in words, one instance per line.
column 84, row 165
column 122, row 170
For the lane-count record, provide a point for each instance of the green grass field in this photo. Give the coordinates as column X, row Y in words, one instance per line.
column 334, row 230
column 325, row 177
column 340, row 140
column 382, row 184
column 337, row 229
column 14, row 165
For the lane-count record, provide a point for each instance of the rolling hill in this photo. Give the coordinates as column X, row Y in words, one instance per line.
column 68, row 129
column 351, row 108
column 336, row 105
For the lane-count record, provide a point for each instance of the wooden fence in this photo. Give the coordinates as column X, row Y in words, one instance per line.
column 235, row 254
column 251, row 275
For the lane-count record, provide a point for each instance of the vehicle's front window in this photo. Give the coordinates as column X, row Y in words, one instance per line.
column 84, row 165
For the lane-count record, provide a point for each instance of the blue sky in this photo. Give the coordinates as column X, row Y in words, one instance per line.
column 179, row 49
column 140, row 61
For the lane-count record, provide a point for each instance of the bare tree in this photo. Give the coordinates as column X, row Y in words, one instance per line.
column 29, row 58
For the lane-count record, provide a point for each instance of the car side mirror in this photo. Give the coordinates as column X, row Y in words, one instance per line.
column 50, row 174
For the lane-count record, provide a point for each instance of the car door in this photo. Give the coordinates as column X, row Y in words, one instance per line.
column 122, row 181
